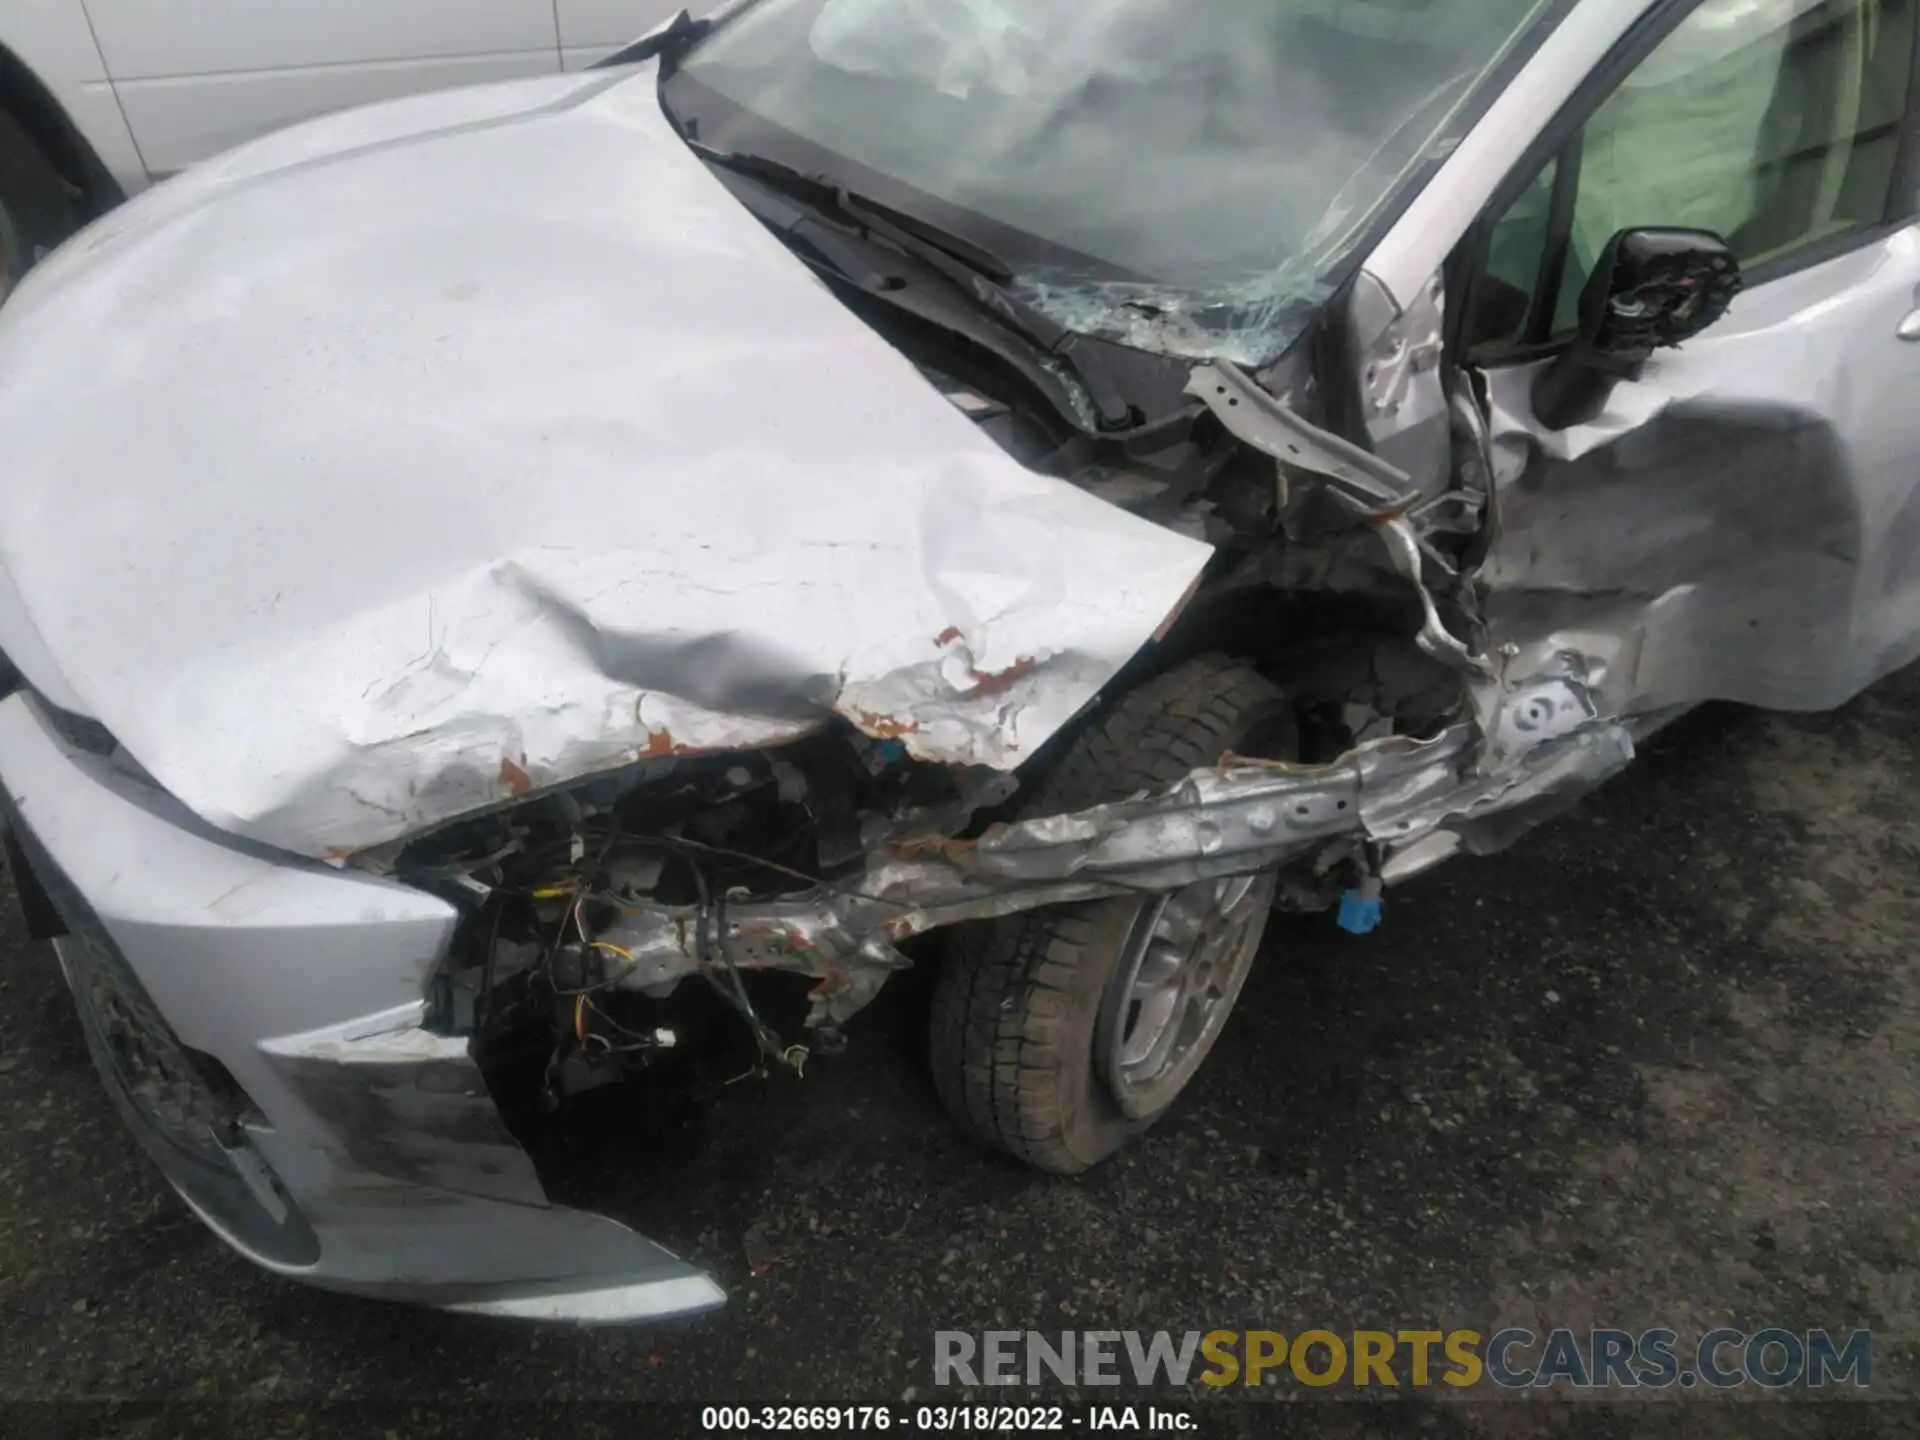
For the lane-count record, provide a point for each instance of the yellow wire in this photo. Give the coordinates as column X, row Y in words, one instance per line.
column 621, row 951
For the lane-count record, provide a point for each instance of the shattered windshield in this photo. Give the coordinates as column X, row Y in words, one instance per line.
column 1190, row 172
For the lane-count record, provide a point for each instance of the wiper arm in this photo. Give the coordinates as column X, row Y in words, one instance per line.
column 670, row 41
column 977, row 258
column 972, row 267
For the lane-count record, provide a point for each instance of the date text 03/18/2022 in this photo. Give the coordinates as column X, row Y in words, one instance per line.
column 945, row 1419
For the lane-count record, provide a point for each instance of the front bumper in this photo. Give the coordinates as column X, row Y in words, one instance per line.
column 258, row 1022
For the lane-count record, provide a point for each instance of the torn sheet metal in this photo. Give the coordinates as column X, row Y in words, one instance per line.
column 1743, row 521
column 1256, row 418
column 1379, row 493
column 1556, row 698
column 1404, row 403
column 406, row 1104
column 1238, row 818
column 478, row 489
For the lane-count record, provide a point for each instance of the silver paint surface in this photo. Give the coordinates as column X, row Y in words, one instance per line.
column 305, row 983
column 1743, row 521
column 423, row 490
column 394, row 523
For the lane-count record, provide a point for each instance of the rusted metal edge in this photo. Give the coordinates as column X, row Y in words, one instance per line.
column 1238, row 818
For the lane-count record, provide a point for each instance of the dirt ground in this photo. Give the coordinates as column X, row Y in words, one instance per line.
column 1658, row 1065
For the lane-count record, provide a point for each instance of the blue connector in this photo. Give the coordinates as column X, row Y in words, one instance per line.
column 1360, row 911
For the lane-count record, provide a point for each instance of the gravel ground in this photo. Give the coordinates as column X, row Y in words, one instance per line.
column 1660, row 1064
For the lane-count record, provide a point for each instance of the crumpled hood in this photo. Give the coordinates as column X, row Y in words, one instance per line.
column 421, row 456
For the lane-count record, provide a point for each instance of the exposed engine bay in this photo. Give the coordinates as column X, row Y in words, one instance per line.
column 596, row 904
column 518, row 638
column 611, row 921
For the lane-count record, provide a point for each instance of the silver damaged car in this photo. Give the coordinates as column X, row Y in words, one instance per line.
column 574, row 583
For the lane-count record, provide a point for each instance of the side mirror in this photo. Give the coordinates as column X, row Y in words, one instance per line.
column 1650, row 289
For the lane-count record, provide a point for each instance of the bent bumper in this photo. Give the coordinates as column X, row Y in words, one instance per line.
column 257, row 1020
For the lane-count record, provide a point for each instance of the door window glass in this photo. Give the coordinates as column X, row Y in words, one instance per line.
column 1773, row 123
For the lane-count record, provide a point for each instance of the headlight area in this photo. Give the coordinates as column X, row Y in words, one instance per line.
column 640, row 921
column 365, row 1035
column 257, row 1020
column 185, row 1107
column 626, row 925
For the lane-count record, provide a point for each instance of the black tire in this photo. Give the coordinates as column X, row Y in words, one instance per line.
column 36, row 205
column 1016, row 1007
column 13, row 251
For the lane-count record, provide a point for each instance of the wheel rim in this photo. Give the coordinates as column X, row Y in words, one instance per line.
column 1186, row 956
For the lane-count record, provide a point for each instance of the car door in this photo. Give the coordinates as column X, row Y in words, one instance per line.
column 195, row 77
column 592, row 29
column 1742, row 520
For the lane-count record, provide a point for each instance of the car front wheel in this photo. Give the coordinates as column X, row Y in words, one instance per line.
column 1059, row 1034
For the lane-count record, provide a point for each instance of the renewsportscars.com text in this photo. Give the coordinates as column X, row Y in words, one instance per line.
column 1513, row 1359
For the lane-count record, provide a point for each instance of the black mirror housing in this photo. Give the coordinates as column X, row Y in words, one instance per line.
column 1650, row 289
column 1655, row 288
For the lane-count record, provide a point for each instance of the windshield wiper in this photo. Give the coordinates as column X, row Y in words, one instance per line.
column 669, row 41
column 821, row 188
column 968, row 265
